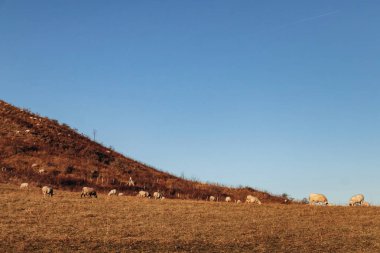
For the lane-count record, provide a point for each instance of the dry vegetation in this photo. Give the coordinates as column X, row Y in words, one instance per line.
column 67, row 223
column 71, row 160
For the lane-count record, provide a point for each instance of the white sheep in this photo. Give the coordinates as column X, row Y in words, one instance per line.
column 252, row 199
column 143, row 194
column 112, row 192
column 157, row 195
column 315, row 198
column 88, row 192
column 24, row 186
column 46, row 190
column 356, row 200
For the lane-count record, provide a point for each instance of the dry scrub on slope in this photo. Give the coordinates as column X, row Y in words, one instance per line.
column 71, row 160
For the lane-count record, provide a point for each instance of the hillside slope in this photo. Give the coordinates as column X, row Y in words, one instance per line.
column 69, row 160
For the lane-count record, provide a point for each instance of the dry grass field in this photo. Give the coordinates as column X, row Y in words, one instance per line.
column 67, row 223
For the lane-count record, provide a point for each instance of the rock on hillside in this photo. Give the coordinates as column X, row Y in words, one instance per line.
column 39, row 150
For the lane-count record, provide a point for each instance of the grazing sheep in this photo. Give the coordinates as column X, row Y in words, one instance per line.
column 46, row 190
column 228, row 199
column 120, row 194
column 41, row 171
column 252, row 199
column 238, row 201
column 88, row 192
column 315, row 198
column 143, row 194
column 157, row 195
column 112, row 192
column 34, row 165
column 212, row 198
column 24, row 186
column 356, row 200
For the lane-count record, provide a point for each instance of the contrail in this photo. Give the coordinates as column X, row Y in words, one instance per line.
column 312, row 18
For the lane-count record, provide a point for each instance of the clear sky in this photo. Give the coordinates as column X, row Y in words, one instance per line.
column 278, row 95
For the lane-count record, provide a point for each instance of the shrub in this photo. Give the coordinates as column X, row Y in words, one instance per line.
column 69, row 169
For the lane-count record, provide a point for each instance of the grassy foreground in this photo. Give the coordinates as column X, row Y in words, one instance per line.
column 67, row 223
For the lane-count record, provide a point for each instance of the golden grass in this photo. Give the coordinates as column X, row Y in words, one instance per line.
column 67, row 223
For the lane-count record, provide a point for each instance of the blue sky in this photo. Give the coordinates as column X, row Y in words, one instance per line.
column 278, row 95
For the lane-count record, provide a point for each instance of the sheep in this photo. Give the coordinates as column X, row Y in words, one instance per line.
column 143, row 194
column 212, row 198
column 252, row 199
column 120, row 194
column 88, row 191
column 315, row 198
column 46, row 190
column 157, row 195
column 34, row 165
column 356, row 200
column 112, row 192
column 228, row 199
column 24, row 186
column 238, row 201
column 41, row 171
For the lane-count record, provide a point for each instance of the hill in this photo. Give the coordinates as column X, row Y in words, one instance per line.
column 67, row 159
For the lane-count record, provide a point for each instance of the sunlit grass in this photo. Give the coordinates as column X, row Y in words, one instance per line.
column 66, row 223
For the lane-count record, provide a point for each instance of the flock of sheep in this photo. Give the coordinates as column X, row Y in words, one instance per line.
column 356, row 200
column 314, row 198
column 91, row 192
